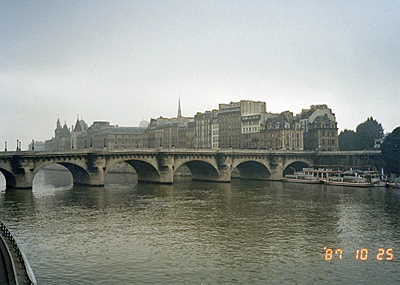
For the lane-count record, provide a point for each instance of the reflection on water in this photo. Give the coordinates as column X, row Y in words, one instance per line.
column 252, row 232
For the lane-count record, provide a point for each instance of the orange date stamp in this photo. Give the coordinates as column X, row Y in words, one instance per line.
column 360, row 254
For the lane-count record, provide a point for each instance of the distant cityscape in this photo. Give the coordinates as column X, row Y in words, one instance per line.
column 237, row 125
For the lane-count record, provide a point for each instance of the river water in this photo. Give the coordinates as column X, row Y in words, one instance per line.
column 245, row 232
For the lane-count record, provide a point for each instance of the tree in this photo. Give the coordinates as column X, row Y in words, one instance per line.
column 347, row 140
column 391, row 152
column 367, row 132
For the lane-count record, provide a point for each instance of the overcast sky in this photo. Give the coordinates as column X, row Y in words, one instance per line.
column 123, row 60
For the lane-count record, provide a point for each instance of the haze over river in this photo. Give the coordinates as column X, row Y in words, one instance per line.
column 244, row 232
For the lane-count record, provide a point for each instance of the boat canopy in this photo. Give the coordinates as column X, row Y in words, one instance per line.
column 353, row 171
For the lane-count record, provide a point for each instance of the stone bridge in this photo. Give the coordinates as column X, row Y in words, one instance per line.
column 89, row 167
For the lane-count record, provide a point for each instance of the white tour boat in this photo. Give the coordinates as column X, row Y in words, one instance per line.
column 354, row 178
column 308, row 176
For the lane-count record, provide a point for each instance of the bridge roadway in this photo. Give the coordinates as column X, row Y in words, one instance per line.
column 90, row 166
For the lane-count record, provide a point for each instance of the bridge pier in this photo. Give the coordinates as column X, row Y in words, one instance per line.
column 166, row 175
column 21, row 174
column 276, row 172
column 95, row 171
column 165, row 168
column 224, row 163
column 20, row 181
column 95, row 179
column 276, row 168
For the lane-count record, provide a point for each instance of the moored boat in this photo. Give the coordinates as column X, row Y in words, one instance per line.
column 394, row 184
column 299, row 178
column 308, row 176
column 377, row 179
column 353, row 178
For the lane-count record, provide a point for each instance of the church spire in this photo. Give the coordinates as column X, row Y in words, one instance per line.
column 179, row 108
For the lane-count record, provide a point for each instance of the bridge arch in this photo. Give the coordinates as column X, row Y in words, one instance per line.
column 201, row 170
column 9, row 177
column 294, row 166
column 253, row 170
column 145, row 171
column 79, row 173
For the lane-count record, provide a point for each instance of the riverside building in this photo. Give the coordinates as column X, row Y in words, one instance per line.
column 103, row 135
column 282, row 131
column 171, row 132
column 237, row 125
column 206, row 134
column 320, row 128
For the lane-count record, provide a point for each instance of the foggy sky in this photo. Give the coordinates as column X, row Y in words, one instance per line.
column 120, row 61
